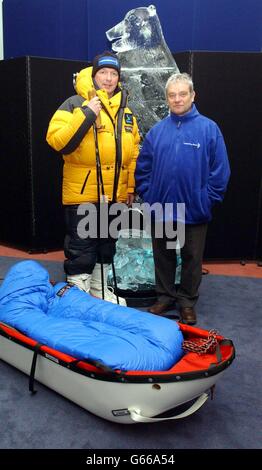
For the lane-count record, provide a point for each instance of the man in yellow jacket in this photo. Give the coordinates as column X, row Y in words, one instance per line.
column 98, row 137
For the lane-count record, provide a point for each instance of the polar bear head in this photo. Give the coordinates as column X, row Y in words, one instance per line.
column 140, row 28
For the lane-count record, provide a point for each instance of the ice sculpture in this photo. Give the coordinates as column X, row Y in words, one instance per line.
column 134, row 264
column 146, row 63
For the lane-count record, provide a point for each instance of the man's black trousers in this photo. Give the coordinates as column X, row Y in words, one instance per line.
column 186, row 294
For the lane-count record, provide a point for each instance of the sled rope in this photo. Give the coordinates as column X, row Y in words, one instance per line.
column 200, row 345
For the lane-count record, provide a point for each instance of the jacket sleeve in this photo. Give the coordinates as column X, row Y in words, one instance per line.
column 219, row 170
column 69, row 125
column 144, row 168
column 132, row 166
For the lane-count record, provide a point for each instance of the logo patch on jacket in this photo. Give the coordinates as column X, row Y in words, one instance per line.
column 128, row 118
column 64, row 289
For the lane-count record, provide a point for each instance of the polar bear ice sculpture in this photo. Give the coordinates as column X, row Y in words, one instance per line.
column 146, row 63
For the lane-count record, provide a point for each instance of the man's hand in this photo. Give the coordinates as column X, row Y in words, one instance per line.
column 130, row 199
column 95, row 105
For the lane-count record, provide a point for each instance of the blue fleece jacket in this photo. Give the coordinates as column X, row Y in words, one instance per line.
column 184, row 160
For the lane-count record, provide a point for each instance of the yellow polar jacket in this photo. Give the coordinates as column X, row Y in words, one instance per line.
column 71, row 132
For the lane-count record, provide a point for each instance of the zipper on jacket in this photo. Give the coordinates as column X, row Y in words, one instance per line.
column 118, row 158
column 118, row 138
column 84, row 184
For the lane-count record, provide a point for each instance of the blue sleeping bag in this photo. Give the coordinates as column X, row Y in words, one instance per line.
column 83, row 326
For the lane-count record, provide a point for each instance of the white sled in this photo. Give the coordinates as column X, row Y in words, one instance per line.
column 123, row 397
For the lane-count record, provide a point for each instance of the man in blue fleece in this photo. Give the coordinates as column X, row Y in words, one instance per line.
column 183, row 160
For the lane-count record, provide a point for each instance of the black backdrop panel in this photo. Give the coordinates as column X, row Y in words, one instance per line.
column 30, row 192
column 15, row 197
column 227, row 89
column 259, row 222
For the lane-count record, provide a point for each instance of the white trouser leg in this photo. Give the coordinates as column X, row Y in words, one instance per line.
column 96, row 285
column 82, row 281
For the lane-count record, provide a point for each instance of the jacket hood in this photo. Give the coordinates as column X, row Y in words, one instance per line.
column 84, row 82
